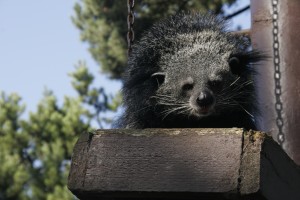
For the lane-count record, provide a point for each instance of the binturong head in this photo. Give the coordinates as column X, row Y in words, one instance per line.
column 188, row 71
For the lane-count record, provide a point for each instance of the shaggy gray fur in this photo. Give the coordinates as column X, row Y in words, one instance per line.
column 178, row 60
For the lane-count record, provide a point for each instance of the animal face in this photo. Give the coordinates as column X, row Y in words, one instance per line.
column 207, row 74
column 188, row 71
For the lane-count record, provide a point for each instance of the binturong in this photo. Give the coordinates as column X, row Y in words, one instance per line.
column 187, row 72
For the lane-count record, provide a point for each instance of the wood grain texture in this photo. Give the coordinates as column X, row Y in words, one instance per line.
column 79, row 162
column 250, row 162
column 224, row 162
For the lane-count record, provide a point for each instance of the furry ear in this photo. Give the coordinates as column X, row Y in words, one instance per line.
column 240, row 62
column 235, row 65
column 160, row 77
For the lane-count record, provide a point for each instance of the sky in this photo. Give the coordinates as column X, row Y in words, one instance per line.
column 39, row 46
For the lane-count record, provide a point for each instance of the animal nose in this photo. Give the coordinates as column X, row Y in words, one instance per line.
column 205, row 99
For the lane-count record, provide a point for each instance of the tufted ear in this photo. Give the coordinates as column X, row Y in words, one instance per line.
column 235, row 65
column 240, row 62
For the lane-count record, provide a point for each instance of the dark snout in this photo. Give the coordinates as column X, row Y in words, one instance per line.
column 205, row 99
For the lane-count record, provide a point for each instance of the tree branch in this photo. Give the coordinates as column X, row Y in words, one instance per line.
column 237, row 12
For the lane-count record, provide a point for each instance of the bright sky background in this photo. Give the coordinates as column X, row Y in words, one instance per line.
column 39, row 46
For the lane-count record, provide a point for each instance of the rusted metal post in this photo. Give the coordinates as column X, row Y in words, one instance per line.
column 276, row 30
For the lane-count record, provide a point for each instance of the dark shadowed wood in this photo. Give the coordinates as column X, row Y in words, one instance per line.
column 79, row 161
column 280, row 176
column 166, row 163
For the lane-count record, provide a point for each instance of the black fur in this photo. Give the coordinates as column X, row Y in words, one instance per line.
column 187, row 71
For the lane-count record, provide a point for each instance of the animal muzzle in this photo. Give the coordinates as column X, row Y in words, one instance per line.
column 205, row 101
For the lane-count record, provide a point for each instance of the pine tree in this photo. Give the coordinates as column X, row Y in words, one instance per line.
column 35, row 153
column 14, row 166
column 53, row 130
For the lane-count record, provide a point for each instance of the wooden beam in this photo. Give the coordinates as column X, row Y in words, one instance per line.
column 166, row 163
column 245, row 32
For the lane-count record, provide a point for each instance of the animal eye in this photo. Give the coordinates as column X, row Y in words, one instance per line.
column 215, row 85
column 234, row 64
column 187, row 86
column 160, row 77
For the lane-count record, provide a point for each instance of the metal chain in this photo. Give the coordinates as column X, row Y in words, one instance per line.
column 277, row 74
column 130, row 22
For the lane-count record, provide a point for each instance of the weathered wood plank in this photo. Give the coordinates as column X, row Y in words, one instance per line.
column 80, row 158
column 250, row 162
column 156, row 162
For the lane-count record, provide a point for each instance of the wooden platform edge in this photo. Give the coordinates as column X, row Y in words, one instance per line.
column 250, row 161
column 80, row 157
column 257, row 168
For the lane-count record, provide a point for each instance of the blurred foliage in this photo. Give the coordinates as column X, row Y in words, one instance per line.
column 35, row 152
column 103, row 25
column 96, row 98
column 14, row 166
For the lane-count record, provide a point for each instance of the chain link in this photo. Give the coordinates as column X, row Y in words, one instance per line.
column 277, row 74
column 130, row 22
